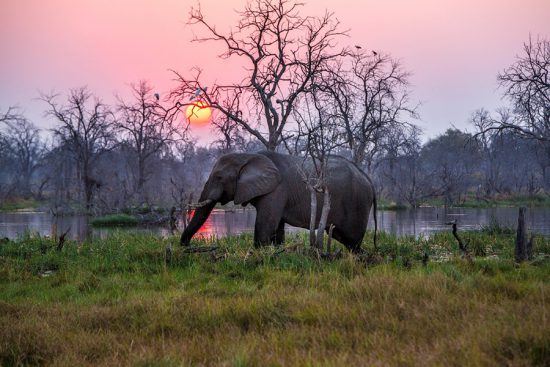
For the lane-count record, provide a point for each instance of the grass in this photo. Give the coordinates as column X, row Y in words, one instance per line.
column 539, row 200
column 495, row 228
column 117, row 301
column 384, row 204
column 18, row 204
column 517, row 200
column 115, row 220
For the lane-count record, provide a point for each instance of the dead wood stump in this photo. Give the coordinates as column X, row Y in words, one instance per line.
column 520, row 251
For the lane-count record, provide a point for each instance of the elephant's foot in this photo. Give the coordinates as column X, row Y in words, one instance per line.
column 280, row 234
column 264, row 240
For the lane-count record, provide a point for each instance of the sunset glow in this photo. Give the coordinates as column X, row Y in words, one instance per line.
column 454, row 48
column 198, row 113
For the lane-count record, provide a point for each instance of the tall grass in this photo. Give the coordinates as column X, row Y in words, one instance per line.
column 123, row 301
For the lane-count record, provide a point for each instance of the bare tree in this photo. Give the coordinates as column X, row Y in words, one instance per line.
column 10, row 115
column 23, row 144
column 490, row 142
column 526, row 84
column 281, row 52
column 147, row 129
column 400, row 166
column 231, row 138
column 322, row 136
column 186, row 179
column 86, row 130
column 371, row 97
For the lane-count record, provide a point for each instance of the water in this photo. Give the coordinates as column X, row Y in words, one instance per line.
column 417, row 222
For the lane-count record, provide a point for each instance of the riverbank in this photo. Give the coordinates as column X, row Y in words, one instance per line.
column 122, row 301
column 534, row 201
column 19, row 204
column 501, row 201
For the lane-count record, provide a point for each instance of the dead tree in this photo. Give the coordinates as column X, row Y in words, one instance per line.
column 281, row 51
column 85, row 127
column 370, row 93
column 231, row 136
column 322, row 136
column 10, row 115
column 489, row 142
column 21, row 144
column 62, row 238
column 147, row 129
column 527, row 86
column 461, row 245
column 186, row 176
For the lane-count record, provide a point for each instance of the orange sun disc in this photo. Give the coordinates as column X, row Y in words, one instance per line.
column 198, row 113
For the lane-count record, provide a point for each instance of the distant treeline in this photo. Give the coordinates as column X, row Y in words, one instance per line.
column 106, row 175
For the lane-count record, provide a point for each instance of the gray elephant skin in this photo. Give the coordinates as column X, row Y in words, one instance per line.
column 274, row 184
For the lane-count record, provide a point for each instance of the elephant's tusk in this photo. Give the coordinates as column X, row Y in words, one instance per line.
column 203, row 203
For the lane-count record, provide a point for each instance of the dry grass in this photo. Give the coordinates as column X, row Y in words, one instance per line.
column 116, row 302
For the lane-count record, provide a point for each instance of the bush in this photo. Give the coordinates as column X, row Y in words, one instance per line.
column 115, row 220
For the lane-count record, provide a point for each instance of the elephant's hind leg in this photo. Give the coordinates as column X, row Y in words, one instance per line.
column 352, row 243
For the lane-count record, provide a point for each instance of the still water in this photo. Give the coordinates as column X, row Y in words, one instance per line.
column 417, row 222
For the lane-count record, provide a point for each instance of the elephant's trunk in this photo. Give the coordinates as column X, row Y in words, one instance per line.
column 199, row 217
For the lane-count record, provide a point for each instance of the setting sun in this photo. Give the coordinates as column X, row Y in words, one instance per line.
column 198, row 113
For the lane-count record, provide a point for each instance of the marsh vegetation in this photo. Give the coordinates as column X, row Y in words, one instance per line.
column 125, row 300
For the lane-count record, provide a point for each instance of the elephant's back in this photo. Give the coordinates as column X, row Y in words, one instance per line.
column 350, row 190
column 348, row 180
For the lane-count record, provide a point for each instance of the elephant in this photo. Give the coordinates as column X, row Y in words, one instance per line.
column 274, row 184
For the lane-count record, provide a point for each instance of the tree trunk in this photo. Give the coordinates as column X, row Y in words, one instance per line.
column 173, row 219
column 324, row 218
column 521, row 237
column 88, row 192
column 313, row 216
column 329, row 240
column 272, row 142
column 141, row 181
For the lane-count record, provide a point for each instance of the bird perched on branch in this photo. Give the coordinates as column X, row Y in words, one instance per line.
column 374, row 53
column 358, row 47
column 196, row 94
column 157, row 96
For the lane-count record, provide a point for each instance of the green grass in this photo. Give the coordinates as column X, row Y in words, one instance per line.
column 18, row 204
column 115, row 220
column 118, row 301
column 519, row 200
column 495, row 228
column 384, row 204
column 540, row 200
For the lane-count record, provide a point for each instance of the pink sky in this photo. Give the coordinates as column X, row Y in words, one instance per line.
column 454, row 48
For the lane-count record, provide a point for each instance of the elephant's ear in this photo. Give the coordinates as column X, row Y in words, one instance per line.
column 257, row 177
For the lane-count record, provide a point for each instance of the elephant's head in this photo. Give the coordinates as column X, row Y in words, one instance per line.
column 236, row 177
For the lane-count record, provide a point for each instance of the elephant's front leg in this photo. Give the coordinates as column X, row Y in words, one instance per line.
column 280, row 234
column 269, row 211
